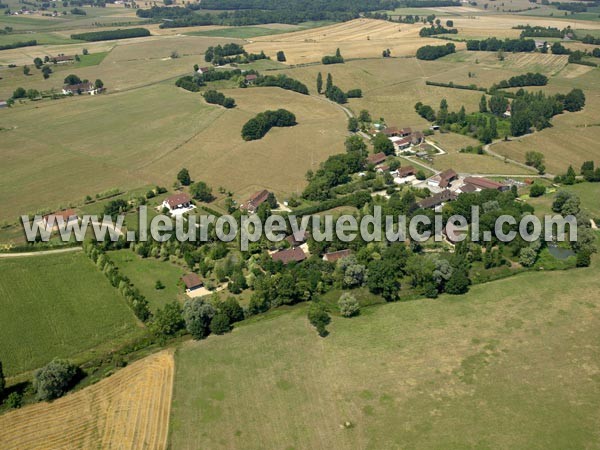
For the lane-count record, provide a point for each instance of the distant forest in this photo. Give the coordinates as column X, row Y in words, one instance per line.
column 255, row 12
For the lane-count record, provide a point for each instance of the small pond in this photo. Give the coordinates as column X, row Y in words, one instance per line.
column 560, row 252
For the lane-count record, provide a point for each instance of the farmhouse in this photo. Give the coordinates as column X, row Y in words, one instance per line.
column 62, row 59
column 295, row 254
column 177, row 202
column 192, row 282
column 255, row 201
column 443, row 179
column 377, row 158
column 480, row 183
column 60, row 219
column 391, row 132
column 334, row 256
column 438, row 199
column 203, row 70
column 401, row 143
column 250, row 79
column 294, row 242
column 81, row 88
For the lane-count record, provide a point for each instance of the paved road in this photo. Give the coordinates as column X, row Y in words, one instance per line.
column 42, row 252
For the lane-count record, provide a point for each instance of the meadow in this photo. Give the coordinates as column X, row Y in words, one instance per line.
column 502, row 366
column 49, row 309
column 144, row 273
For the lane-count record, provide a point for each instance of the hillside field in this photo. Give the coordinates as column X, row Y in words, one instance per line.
column 58, row 306
column 502, row 366
column 129, row 410
column 145, row 136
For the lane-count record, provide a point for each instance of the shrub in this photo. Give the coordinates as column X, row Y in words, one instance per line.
column 54, row 380
column 348, row 305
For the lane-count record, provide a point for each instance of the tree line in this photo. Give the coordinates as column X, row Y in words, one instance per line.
column 436, row 30
column 528, row 79
column 259, row 126
column 19, row 44
column 108, row 35
column 431, row 52
column 508, row 45
column 335, row 59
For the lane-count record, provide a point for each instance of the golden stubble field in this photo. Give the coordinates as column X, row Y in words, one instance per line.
column 129, row 410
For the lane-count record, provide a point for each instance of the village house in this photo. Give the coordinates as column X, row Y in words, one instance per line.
column 192, row 282
column 437, row 200
column 81, row 88
column 295, row 242
column 443, row 179
column 178, row 203
column 377, row 158
column 481, row 183
column 203, row 70
column 401, row 143
column 288, row 256
column 62, row 59
column 60, row 219
column 250, row 79
column 405, row 132
column 252, row 204
column 334, row 256
column 391, row 131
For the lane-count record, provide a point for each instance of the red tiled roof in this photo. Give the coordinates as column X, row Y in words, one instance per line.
column 291, row 255
column 256, row 200
column 191, row 280
column 178, row 199
column 251, row 77
column 406, row 171
column 484, row 183
column 66, row 215
column 377, row 158
column 334, row 256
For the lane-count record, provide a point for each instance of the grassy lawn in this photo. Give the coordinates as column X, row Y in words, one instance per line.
column 58, row 306
column 587, row 192
column 144, row 272
column 501, row 367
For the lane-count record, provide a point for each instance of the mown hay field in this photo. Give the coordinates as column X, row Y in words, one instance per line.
column 58, row 306
column 85, row 145
column 502, row 366
column 360, row 38
column 129, row 410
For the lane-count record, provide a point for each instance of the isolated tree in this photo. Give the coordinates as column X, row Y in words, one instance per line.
column 85, row 51
column 364, row 116
column 449, row 23
column 220, row 324
column 458, row 282
column 537, row 190
column 72, row 79
column 318, row 317
column 353, row 124
column 98, row 84
column 201, row 191
column 37, row 62
column 348, row 305
column 184, row 177
column 281, row 56
column 338, row 54
column 319, row 83
column 197, row 315
column 26, row 70
column 328, row 84
column 54, row 379
column 483, row 104
column 46, row 71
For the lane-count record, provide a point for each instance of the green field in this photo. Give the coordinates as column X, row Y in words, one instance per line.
column 588, row 193
column 58, row 306
column 501, row 367
column 144, row 273
column 41, row 38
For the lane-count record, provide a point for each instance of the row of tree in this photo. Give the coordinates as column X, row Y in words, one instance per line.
column 431, row 52
column 125, row 33
column 335, row 59
column 508, row 45
column 218, row 98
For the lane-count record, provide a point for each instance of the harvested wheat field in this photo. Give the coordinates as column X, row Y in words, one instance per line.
column 129, row 410
column 360, row 38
